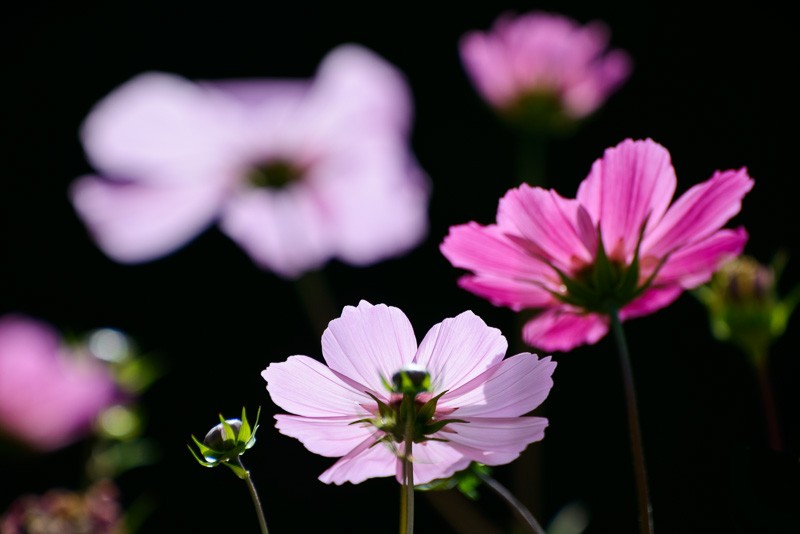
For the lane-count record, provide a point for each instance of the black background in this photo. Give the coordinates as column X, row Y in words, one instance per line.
column 715, row 87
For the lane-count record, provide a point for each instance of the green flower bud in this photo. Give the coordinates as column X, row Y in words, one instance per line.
column 227, row 440
column 411, row 380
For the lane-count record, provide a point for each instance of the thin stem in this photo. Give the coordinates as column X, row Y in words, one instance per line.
column 317, row 300
column 768, row 399
column 531, row 149
column 512, row 501
column 645, row 508
column 407, row 495
column 262, row 522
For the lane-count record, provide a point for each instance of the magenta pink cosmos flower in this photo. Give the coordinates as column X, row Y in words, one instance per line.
column 48, row 396
column 296, row 172
column 345, row 409
column 544, row 252
column 544, row 56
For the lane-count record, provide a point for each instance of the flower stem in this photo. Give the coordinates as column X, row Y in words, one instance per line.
column 407, row 492
column 531, row 149
column 768, row 400
column 645, row 508
column 262, row 522
column 512, row 501
column 316, row 297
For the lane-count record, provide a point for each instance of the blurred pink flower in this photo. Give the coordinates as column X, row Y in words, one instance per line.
column 463, row 357
column 296, row 171
column 544, row 55
column 48, row 396
column 543, row 252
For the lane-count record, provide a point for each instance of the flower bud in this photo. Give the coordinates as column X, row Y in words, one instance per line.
column 216, row 438
column 411, row 379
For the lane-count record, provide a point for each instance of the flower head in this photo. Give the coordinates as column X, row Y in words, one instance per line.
column 296, row 172
column 469, row 409
column 49, row 395
column 542, row 66
column 744, row 307
column 619, row 246
column 226, row 441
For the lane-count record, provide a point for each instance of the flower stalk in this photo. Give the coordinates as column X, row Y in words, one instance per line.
column 407, row 495
column 262, row 521
column 645, row 508
column 512, row 501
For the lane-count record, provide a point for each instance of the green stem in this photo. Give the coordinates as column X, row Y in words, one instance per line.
column 531, row 149
column 407, row 492
column 262, row 522
column 768, row 400
column 317, row 300
column 512, row 501
column 645, row 508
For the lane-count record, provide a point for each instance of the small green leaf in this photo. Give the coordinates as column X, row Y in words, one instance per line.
column 241, row 473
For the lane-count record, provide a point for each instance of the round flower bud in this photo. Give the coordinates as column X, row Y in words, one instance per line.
column 217, row 440
column 411, row 379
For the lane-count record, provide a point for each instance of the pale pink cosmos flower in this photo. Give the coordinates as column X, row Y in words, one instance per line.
column 49, row 397
column 296, row 171
column 369, row 344
column 544, row 251
column 544, row 55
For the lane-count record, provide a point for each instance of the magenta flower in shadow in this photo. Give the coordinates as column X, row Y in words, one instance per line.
column 540, row 58
column 346, row 410
column 49, row 397
column 296, row 171
column 619, row 246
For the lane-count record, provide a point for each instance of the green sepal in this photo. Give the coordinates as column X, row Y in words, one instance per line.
column 207, row 452
column 229, row 434
column 384, row 409
column 438, row 425
column 241, row 473
column 201, row 462
column 429, row 408
column 603, row 274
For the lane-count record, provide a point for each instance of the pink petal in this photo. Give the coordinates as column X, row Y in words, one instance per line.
column 651, row 300
column 369, row 342
column 373, row 197
column 487, row 65
column 431, row 460
column 560, row 228
column 157, row 128
column 511, row 388
column 516, row 294
column 281, row 230
column 363, row 462
column 357, row 91
column 563, row 329
column 457, row 350
column 327, row 436
column 304, row 386
column 693, row 265
column 134, row 223
column 487, row 250
column 699, row 212
column 494, row 441
column 631, row 183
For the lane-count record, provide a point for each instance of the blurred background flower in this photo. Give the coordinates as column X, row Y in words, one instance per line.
column 97, row 511
column 544, row 70
column 296, row 171
column 50, row 394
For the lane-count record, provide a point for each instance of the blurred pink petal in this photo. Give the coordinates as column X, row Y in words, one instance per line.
column 186, row 154
column 542, row 54
column 542, row 244
column 464, row 359
column 48, row 396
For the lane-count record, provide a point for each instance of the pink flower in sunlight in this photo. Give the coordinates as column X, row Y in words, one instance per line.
column 296, row 171
column 544, row 56
column 48, row 396
column 544, row 252
column 482, row 395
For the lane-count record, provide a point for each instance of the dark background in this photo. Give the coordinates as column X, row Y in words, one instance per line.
column 715, row 88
